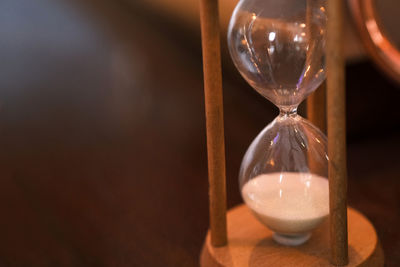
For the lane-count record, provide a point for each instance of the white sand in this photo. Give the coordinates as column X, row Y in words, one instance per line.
column 288, row 203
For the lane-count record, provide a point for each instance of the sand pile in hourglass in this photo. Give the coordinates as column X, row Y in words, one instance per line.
column 288, row 203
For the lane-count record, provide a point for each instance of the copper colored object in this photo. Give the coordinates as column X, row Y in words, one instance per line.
column 214, row 119
column 376, row 42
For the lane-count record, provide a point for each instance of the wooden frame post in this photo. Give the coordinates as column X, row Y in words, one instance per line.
column 209, row 20
column 316, row 102
column 336, row 116
column 316, row 108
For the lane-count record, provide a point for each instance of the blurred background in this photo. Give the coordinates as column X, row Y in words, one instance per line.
column 102, row 133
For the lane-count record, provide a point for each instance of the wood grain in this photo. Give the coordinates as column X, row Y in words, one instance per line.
column 250, row 244
column 336, row 112
column 214, row 119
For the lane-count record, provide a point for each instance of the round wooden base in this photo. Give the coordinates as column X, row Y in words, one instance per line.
column 250, row 244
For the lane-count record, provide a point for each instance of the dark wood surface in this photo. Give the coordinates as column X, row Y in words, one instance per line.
column 102, row 138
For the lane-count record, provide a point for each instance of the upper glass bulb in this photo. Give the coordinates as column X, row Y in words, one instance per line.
column 278, row 47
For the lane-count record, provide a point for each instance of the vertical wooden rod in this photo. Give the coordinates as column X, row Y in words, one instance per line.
column 316, row 108
column 214, row 119
column 316, row 102
column 336, row 112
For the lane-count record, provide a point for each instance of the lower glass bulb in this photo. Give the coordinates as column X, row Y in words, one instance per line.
column 283, row 178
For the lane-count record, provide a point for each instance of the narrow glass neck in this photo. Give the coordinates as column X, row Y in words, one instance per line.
column 288, row 111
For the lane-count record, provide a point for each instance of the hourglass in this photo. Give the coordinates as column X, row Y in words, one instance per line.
column 278, row 47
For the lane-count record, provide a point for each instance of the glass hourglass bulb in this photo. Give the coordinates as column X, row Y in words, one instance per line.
column 278, row 47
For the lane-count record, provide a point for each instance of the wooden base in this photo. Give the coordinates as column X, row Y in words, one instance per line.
column 250, row 244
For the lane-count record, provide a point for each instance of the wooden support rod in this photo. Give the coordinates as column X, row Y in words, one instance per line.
column 336, row 112
column 316, row 108
column 316, row 102
column 214, row 119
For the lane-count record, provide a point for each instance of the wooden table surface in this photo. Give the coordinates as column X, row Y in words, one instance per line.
column 102, row 138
